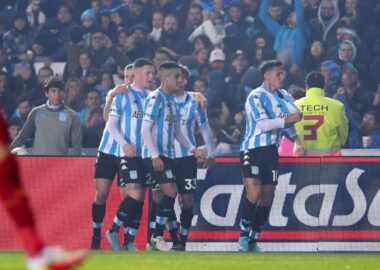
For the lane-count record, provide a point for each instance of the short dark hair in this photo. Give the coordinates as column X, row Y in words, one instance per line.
column 129, row 66
column 185, row 71
column 168, row 65
column 296, row 91
column 315, row 79
column 53, row 82
column 269, row 65
column 140, row 62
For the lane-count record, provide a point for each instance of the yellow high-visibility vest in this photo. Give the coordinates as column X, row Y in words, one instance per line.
column 324, row 126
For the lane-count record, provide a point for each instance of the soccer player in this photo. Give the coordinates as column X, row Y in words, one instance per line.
column 184, row 164
column 16, row 203
column 106, row 166
column 159, row 130
column 125, row 122
column 324, row 127
column 269, row 110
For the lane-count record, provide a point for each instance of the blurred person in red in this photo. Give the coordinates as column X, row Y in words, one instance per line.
column 14, row 198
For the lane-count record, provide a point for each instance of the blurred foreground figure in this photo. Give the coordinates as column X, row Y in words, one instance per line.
column 12, row 194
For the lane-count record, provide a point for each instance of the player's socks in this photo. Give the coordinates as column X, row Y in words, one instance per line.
column 186, row 218
column 164, row 209
column 260, row 217
column 173, row 228
column 133, row 222
column 247, row 216
column 125, row 209
column 16, row 204
column 98, row 213
column 152, row 219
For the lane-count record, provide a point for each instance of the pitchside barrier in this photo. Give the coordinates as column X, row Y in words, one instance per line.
column 320, row 204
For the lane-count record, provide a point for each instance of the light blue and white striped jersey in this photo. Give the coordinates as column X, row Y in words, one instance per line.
column 128, row 107
column 190, row 115
column 161, row 109
column 264, row 104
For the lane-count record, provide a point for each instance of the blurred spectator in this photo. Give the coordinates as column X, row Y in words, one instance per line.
column 194, row 19
column 352, row 94
column 3, row 60
column 277, row 11
column 237, row 130
column 236, row 28
column 173, row 38
column 26, row 81
column 106, row 83
column 89, row 21
column 217, row 59
column 22, row 110
column 324, row 27
column 235, row 73
column 213, row 29
column 331, row 73
column 53, row 125
column 311, row 9
column 290, row 39
column 315, row 55
column 66, row 22
column 369, row 132
column 7, row 100
column 35, row 16
column 134, row 13
column 161, row 55
column 141, row 45
column 93, row 127
column 157, row 25
column 92, row 79
column 201, row 56
column 100, row 55
column 14, row 127
column 18, row 40
column 201, row 86
column 202, row 42
column 43, row 73
column 93, row 101
column 108, row 26
column 74, row 94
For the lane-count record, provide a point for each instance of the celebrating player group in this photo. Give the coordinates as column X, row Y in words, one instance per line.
column 149, row 142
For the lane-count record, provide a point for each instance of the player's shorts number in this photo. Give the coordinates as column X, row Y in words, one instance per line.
column 190, row 184
column 320, row 119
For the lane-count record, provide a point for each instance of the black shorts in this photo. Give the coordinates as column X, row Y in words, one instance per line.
column 261, row 163
column 163, row 177
column 106, row 166
column 185, row 174
column 133, row 171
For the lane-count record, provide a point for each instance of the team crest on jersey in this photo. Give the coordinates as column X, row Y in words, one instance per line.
column 63, row 116
column 169, row 174
column 258, row 106
column 183, row 111
column 133, row 174
column 254, row 170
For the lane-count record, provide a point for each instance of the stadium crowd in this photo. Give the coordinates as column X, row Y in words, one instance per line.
column 221, row 42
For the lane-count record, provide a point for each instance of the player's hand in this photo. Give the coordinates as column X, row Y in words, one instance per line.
column 200, row 99
column 300, row 150
column 120, row 88
column 158, row 164
column 295, row 117
column 129, row 151
column 208, row 162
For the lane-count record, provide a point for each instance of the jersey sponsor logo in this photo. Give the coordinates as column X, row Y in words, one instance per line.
column 169, row 174
column 138, row 114
column 283, row 115
column 63, row 116
column 171, row 118
column 255, row 170
column 133, row 174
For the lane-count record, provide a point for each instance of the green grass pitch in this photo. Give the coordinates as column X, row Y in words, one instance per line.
column 12, row 260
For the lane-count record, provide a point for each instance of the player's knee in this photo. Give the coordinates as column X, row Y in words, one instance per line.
column 101, row 197
column 186, row 201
